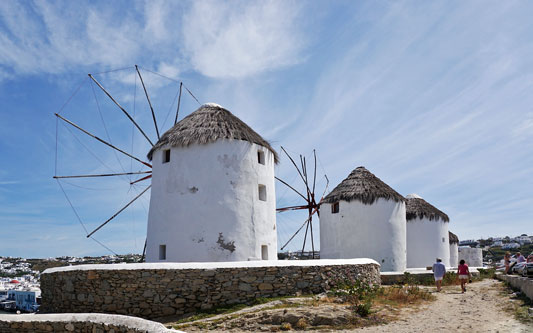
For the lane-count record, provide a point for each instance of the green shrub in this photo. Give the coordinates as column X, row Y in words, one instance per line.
column 450, row 278
column 363, row 309
column 359, row 293
column 486, row 273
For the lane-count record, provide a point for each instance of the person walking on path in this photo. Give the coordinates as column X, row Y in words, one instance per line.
column 439, row 270
column 464, row 274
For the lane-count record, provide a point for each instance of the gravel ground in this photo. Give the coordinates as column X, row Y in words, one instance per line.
column 480, row 309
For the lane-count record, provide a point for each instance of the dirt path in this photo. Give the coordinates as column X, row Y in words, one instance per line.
column 480, row 309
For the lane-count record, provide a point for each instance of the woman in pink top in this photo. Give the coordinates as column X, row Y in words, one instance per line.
column 464, row 274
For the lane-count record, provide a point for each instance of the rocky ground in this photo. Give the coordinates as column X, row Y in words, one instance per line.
column 485, row 307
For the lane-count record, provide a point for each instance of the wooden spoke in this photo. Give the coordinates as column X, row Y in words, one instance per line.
column 294, row 163
column 121, row 108
column 294, row 235
column 179, row 103
column 120, row 211
column 144, row 250
column 314, row 173
column 305, row 236
column 283, row 209
column 190, row 93
column 104, row 175
column 149, row 102
column 140, row 180
column 292, row 188
column 312, row 238
column 102, row 141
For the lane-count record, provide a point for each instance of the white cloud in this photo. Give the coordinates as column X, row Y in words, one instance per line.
column 218, row 39
column 239, row 39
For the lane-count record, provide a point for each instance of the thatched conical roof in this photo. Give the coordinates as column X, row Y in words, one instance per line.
column 453, row 238
column 419, row 208
column 209, row 123
column 364, row 186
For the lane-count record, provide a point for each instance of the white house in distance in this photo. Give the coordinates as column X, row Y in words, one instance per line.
column 427, row 233
column 364, row 218
column 454, row 249
column 213, row 196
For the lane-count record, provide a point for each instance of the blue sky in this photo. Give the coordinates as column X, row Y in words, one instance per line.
column 434, row 97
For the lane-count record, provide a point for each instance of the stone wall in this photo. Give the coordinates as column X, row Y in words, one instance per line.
column 415, row 276
column 157, row 290
column 78, row 322
column 523, row 283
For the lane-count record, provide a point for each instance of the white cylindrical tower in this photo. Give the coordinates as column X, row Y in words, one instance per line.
column 472, row 255
column 213, row 196
column 364, row 218
column 427, row 234
column 454, row 249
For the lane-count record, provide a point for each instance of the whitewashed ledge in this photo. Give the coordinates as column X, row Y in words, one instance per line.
column 76, row 322
column 215, row 265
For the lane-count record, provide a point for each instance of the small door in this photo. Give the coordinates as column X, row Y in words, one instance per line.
column 264, row 252
column 162, row 252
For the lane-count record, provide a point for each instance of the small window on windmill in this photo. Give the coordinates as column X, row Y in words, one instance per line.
column 262, row 192
column 261, row 157
column 166, row 155
column 162, row 252
column 443, row 240
column 335, row 208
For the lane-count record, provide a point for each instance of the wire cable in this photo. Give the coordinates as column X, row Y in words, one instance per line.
column 132, row 128
column 71, row 96
column 55, row 165
column 72, row 206
column 114, row 70
column 159, row 74
column 87, row 148
column 170, row 108
column 101, row 244
column 105, row 127
column 168, row 78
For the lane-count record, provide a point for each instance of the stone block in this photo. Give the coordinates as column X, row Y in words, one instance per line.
column 245, row 287
column 265, row 286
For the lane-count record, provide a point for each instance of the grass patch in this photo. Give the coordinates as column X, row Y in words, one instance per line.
column 222, row 310
column 402, row 295
column 203, row 314
column 263, row 300
column 520, row 304
column 488, row 273
column 362, row 296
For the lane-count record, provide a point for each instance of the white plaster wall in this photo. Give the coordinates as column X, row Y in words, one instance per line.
column 454, row 255
column 206, row 199
column 426, row 241
column 472, row 256
column 211, row 265
column 374, row 231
